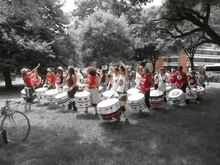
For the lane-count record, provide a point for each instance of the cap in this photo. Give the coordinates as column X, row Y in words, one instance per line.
column 60, row 68
column 49, row 70
column 24, row 70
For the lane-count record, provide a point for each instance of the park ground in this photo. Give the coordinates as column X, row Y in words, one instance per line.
column 180, row 136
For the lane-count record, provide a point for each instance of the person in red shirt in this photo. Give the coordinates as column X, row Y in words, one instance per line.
column 181, row 79
column 50, row 79
column 172, row 78
column 146, row 83
column 29, row 89
column 71, row 81
column 92, row 82
column 36, row 79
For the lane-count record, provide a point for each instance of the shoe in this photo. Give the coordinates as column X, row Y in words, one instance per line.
column 96, row 113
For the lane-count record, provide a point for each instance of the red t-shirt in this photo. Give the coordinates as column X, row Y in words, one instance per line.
column 181, row 78
column 69, row 81
column 172, row 78
column 51, row 78
column 145, row 83
column 27, row 81
column 36, row 80
column 91, row 81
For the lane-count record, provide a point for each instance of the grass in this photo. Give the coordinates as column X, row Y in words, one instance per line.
column 182, row 136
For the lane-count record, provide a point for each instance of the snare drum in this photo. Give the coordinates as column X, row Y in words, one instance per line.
column 156, row 98
column 132, row 91
column 136, row 102
column 50, row 95
column 200, row 91
column 109, row 109
column 62, row 99
column 83, row 99
column 168, row 88
column 40, row 92
column 191, row 93
column 108, row 94
column 176, row 96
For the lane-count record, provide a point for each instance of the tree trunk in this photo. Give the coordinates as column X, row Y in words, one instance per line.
column 7, row 77
column 191, row 59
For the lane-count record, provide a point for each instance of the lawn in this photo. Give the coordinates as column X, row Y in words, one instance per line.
column 181, row 136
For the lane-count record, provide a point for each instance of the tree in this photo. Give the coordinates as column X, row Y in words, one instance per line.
column 33, row 32
column 103, row 38
column 178, row 13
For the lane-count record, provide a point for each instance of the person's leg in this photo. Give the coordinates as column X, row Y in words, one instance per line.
column 147, row 102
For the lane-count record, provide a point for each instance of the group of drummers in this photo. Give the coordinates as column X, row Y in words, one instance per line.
column 113, row 83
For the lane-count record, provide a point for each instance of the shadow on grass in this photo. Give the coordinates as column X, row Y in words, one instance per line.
column 87, row 116
column 52, row 147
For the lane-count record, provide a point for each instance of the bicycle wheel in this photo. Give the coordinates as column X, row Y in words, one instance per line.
column 17, row 126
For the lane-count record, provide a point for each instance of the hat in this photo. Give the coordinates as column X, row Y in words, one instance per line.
column 60, row 68
column 23, row 70
column 49, row 70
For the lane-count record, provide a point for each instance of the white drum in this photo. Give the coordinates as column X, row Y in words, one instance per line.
column 200, row 91
column 41, row 92
column 109, row 109
column 108, row 94
column 62, row 99
column 50, row 95
column 100, row 89
column 191, row 93
column 176, row 96
column 81, row 87
column 83, row 99
column 156, row 98
column 132, row 91
column 23, row 95
column 136, row 101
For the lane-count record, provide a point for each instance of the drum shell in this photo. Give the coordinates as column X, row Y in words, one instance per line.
column 62, row 98
column 177, row 99
column 136, row 101
column 50, row 95
column 156, row 98
column 110, row 111
column 82, row 99
column 191, row 93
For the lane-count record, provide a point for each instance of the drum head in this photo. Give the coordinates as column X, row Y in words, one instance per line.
column 51, row 92
column 82, row 94
column 175, row 93
column 108, row 93
column 200, row 88
column 156, row 93
column 60, row 95
column 41, row 89
column 133, row 91
column 136, row 97
column 108, row 102
column 23, row 91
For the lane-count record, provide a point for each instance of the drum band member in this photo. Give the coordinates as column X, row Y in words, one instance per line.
column 146, row 83
column 60, row 78
column 121, row 88
column 71, row 81
column 181, row 81
column 36, row 79
column 92, row 82
column 50, row 79
column 29, row 89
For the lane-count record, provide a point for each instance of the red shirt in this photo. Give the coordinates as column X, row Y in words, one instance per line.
column 27, row 81
column 145, row 83
column 91, row 81
column 36, row 80
column 69, row 81
column 172, row 78
column 181, row 78
column 51, row 78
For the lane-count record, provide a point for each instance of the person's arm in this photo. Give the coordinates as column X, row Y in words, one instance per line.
column 126, row 69
column 32, row 71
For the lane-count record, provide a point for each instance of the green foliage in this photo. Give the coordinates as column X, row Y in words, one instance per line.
column 102, row 38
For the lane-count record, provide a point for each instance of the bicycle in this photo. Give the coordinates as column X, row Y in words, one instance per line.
column 16, row 123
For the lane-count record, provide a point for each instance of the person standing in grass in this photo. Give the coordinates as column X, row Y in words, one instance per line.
column 29, row 88
column 146, row 83
column 121, row 88
column 50, row 79
column 92, row 82
column 71, row 81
